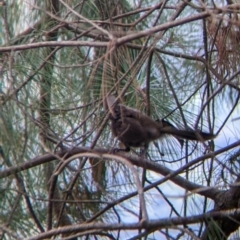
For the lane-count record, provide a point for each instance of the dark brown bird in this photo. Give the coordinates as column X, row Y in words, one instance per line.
column 135, row 129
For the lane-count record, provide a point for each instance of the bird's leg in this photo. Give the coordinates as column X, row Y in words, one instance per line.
column 116, row 150
column 159, row 150
column 143, row 151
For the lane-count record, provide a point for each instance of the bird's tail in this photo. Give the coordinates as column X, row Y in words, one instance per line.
column 189, row 134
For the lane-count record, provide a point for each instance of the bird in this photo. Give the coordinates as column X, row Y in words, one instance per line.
column 135, row 129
